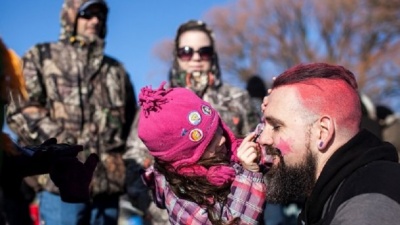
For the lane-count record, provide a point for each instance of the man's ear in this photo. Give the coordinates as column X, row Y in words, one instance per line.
column 326, row 129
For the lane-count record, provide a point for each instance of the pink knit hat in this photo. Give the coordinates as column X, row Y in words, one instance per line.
column 177, row 126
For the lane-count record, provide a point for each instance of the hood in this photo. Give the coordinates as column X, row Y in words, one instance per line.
column 198, row 81
column 180, row 78
column 69, row 14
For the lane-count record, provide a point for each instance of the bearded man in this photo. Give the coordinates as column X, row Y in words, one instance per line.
column 312, row 127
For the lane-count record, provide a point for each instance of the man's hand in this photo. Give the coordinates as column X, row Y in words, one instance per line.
column 264, row 103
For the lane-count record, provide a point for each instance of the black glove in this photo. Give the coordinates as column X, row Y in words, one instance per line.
column 50, row 148
column 73, row 177
column 37, row 159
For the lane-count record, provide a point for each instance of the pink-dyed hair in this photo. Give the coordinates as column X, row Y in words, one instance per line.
column 326, row 89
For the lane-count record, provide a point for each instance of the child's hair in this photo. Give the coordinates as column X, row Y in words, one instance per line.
column 197, row 188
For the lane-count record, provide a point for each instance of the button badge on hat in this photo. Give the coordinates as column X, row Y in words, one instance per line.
column 206, row 110
column 194, row 118
column 196, row 135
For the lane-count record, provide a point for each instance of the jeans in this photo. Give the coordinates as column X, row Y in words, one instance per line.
column 101, row 211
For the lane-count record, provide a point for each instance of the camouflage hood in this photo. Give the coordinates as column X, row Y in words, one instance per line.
column 198, row 81
column 69, row 14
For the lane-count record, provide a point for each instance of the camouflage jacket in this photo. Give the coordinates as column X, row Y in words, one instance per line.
column 235, row 108
column 78, row 95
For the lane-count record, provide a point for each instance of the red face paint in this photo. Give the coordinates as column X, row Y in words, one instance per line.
column 283, row 146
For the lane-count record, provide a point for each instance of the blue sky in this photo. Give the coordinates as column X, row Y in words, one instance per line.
column 134, row 27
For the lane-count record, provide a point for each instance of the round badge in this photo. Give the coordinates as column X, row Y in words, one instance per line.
column 206, row 110
column 196, row 135
column 194, row 118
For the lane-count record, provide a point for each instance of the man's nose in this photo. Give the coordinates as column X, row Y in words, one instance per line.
column 266, row 137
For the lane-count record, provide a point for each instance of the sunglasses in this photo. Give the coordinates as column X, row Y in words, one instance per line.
column 186, row 53
column 89, row 14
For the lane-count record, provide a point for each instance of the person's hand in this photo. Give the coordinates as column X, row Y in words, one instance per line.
column 264, row 103
column 70, row 175
column 37, row 159
column 73, row 177
column 249, row 153
column 50, row 149
column 265, row 100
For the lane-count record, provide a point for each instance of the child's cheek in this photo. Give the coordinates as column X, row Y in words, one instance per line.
column 284, row 146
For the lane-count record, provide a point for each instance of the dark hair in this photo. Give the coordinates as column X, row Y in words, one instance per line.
column 194, row 25
column 256, row 87
column 303, row 72
column 197, row 188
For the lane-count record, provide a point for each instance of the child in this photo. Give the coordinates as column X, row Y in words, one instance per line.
column 201, row 175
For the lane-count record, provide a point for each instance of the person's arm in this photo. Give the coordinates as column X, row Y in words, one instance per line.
column 72, row 176
column 367, row 209
column 30, row 119
column 247, row 197
column 131, row 105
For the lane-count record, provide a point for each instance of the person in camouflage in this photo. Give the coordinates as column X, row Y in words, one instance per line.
column 79, row 95
column 201, row 73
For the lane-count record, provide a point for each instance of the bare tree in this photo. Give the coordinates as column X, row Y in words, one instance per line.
column 268, row 36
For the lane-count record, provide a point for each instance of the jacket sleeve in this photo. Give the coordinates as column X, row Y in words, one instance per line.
column 30, row 119
column 247, row 197
column 131, row 106
column 246, row 200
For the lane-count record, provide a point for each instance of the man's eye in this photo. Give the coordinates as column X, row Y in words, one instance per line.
column 276, row 127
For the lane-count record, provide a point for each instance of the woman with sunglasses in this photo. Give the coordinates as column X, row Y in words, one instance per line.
column 196, row 66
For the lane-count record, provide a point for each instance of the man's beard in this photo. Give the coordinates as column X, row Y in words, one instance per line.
column 291, row 183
